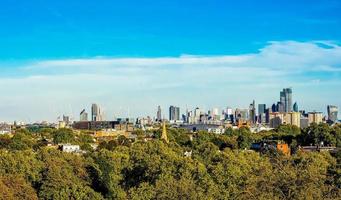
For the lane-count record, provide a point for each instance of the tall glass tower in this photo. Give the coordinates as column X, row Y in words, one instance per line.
column 286, row 100
column 158, row 114
column 96, row 113
column 174, row 113
column 332, row 113
column 295, row 107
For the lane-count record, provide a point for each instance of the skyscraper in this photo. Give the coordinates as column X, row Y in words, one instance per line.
column 261, row 113
column 252, row 110
column 280, row 107
column 83, row 116
column 174, row 113
column 261, row 108
column 96, row 113
column 295, row 107
column 274, row 108
column 158, row 114
column 332, row 113
column 286, row 100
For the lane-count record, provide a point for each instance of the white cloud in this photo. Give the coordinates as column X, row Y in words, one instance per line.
column 45, row 89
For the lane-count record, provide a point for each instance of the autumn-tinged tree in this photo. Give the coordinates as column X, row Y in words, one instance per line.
column 15, row 187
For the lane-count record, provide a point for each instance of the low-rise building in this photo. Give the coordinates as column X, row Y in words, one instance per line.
column 5, row 128
column 69, row 148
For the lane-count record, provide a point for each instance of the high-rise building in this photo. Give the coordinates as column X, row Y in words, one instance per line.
column 96, row 113
column 280, row 107
column 286, row 99
column 332, row 113
column 261, row 108
column 261, row 113
column 174, row 113
column 229, row 111
column 315, row 117
column 196, row 117
column 274, row 108
column 241, row 115
column 158, row 114
column 295, row 107
column 228, row 115
column 252, row 110
column 214, row 114
column 66, row 119
column 83, row 116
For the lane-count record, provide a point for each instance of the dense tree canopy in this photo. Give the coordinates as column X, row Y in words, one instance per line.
column 192, row 166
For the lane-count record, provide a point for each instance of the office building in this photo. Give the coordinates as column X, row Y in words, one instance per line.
column 261, row 108
column 214, row 114
column 83, row 116
column 96, row 114
column 174, row 113
column 292, row 118
column 158, row 114
column 315, row 117
column 304, row 122
column 261, row 113
column 252, row 110
column 295, row 107
column 280, row 107
column 278, row 118
column 228, row 115
column 286, row 100
column 275, row 119
column 332, row 113
column 274, row 108
column 241, row 115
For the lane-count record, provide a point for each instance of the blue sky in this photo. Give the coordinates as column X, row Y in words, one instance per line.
column 134, row 55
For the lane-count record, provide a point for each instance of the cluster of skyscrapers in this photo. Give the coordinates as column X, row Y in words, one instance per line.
column 96, row 114
column 282, row 112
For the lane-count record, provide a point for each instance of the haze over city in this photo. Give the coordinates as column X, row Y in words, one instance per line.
column 59, row 58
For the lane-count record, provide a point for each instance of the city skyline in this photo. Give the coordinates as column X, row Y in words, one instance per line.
column 57, row 60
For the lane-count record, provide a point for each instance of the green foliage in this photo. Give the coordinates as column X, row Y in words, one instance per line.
column 5, row 140
column 23, row 163
column 22, row 140
column 16, row 187
column 84, row 138
column 63, row 135
column 65, row 177
column 320, row 133
column 217, row 167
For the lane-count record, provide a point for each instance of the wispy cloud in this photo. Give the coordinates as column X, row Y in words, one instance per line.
column 48, row 88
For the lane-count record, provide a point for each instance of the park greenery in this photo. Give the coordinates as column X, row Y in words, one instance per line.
column 217, row 167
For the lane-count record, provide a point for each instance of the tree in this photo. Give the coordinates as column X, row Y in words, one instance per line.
column 63, row 135
column 16, row 187
column 319, row 133
column 5, row 141
column 24, row 163
column 65, row 177
column 22, row 141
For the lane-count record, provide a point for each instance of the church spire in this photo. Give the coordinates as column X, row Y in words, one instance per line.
column 164, row 132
